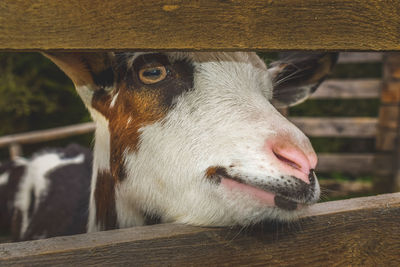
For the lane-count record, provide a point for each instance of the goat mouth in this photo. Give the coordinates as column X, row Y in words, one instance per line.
column 266, row 197
column 259, row 192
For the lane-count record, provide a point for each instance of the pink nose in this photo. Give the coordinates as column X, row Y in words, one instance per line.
column 292, row 160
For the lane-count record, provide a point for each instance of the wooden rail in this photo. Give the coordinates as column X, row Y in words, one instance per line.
column 363, row 127
column 359, row 57
column 47, row 135
column 203, row 24
column 356, row 232
column 349, row 88
column 355, row 164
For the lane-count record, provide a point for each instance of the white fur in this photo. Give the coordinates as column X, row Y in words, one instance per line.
column 115, row 97
column 101, row 161
column 4, row 178
column 128, row 121
column 225, row 120
column 35, row 179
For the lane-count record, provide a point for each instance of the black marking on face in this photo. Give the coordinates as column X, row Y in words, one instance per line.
column 178, row 80
column 105, row 78
column 285, row 203
column 138, row 102
column 292, row 188
column 99, row 66
column 299, row 74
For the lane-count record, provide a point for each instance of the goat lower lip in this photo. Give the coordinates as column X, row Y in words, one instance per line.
column 263, row 196
column 266, row 197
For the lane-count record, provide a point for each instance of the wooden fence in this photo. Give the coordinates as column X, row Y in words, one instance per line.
column 357, row 232
column 346, row 127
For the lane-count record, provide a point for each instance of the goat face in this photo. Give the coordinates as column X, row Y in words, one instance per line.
column 194, row 137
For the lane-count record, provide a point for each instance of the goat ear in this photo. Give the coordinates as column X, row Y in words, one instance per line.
column 94, row 70
column 296, row 75
column 88, row 71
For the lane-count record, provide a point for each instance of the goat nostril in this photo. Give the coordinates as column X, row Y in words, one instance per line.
column 287, row 161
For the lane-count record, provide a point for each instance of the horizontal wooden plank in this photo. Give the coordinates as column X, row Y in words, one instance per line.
column 334, row 188
column 359, row 57
column 356, row 232
column 200, row 25
column 336, row 127
column 355, row 164
column 47, row 135
column 348, row 89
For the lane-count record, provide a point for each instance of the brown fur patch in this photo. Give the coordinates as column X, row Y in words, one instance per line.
column 211, row 171
column 214, row 173
column 104, row 196
column 139, row 104
column 141, row 108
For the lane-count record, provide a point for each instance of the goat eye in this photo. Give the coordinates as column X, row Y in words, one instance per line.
column 150, row 75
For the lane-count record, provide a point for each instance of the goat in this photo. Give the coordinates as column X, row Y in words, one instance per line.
column 180, row 137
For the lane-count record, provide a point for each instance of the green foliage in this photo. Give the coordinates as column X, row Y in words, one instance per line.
column 35, row 94
column 358, row 70
column 337, row 108
column 340, row 177
column 343, row 145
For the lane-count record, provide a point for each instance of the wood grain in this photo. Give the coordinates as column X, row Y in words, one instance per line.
column 348, row 89
column 387, row 130
column 356, row 232
column 392, row 81
column 47, row 135
column 199, row 25
column 355, row 164
column 359, row 57
column 336, row 127
column 343, row 189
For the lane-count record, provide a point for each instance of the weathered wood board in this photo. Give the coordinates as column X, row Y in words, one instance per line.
column 359, row 57
column 356, row 232
column 348, row 89
column 200, row 25
column 356, row 164
column 47, row 135
column 360, row 127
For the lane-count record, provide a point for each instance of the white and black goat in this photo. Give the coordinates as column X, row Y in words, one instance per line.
column 180, row 137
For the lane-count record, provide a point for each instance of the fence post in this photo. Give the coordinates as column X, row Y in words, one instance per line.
column 388, row 141
column 15, row 150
